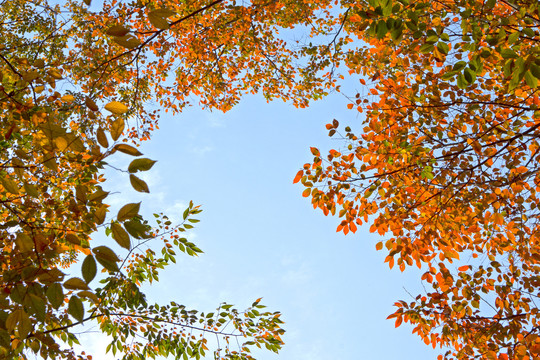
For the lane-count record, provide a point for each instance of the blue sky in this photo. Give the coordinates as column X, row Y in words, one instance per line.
column 261, row 238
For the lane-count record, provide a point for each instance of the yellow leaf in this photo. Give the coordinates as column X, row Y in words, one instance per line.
column 68, row 98
column 61, row 143
column 116, row 108
column 117, row 127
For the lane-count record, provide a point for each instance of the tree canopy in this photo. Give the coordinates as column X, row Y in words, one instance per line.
column 81, row 85
column 446, row 165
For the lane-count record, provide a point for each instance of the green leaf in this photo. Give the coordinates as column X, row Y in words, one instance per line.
column 426, row 48
column 508, row 53
column 531, row 80
column 9, row 185
column 128, row 211
column 19, row 320
column 381, row 29
column 127, row 149
column 136, row 229
column 89, row 295
column 461, row 82
column 120, row 235
column 31, row 190
column 55, row 295
column 76, row 308
column 142, row 164
column 138, row 184
column 38, row 305
column 443, row 47
column 89, row 268
column 535, row 70
column 75, row 283
column 513, row 37
column 470, row 75
column 106, row 257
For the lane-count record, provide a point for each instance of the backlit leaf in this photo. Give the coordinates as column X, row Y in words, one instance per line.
column 138, row 184
column 76, row 308
column 142, row 164
column 116, row 108
column 120, row 235
column 89, row 268
column 127, row 149
column 128, row 211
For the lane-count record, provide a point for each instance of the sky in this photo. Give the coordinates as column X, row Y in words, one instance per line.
column 261, row 238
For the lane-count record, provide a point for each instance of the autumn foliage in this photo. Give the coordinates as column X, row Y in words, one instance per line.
column 446, row 165
column 79, row 85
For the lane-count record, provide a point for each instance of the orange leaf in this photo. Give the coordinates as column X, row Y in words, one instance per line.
column 298, row 176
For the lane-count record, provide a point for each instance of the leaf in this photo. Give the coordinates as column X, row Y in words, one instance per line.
column 91, row 104
column 9, row 185
column 136, row 229
column 138, row 184
column 298, row 176
column 89, row 295
column 142, row 164
column 117, row 127
column 73, row 239
column 531, row 80
column 76, row 308
column 61, row 143
column 120, row 235
column 13, row 320
column 128, row 41
column 68, row 98
column 24, row 242
column 100, row 214
column 19, row 320
column 102, row 138
column 117, row 30
column 75, row 283
column 127, row 149
column 106, row 257
column 98, row 195
column 116, row 108
column 157, row 20
column 89, row 268
column 30, row 190
column 38, row 305
column 128, row 211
